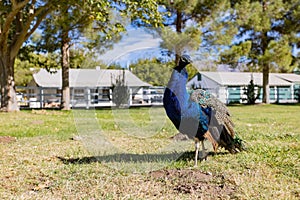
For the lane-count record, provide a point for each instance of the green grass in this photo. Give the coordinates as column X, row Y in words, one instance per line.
column 120, row 147
column 37, row 123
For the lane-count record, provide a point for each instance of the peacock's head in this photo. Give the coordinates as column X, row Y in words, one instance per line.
column 184, row 60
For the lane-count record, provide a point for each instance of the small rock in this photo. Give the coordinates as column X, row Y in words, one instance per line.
column 180, row 137
column 76, row 138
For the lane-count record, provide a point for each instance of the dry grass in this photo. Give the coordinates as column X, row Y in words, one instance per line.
column 43, row 163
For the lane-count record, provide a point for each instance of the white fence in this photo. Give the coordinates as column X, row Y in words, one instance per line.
column 37, row 97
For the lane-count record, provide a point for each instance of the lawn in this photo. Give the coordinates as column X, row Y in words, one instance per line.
column 129, row 154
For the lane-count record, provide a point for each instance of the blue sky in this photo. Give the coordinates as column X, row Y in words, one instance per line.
column 136, row 44
column 140, row 44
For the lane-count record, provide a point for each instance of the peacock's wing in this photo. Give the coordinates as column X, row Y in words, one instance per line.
column 220, row 110
column 221, row 125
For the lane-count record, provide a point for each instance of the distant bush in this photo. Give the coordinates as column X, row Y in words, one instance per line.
column 120, row 91
column 250, row 93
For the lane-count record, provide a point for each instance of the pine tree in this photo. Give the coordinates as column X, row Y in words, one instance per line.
column 185, row 25
column 120, row 91
column 252, row 96
column 263, row 34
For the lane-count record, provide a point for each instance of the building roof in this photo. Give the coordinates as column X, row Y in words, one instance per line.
column 243, row 78
column 293, row 78
column 87, row 78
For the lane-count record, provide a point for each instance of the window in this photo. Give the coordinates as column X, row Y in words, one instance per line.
column 234, row 94
column 284, row 93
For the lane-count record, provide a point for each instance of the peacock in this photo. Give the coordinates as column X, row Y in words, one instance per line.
column 198, row 114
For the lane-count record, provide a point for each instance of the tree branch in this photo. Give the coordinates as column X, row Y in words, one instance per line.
column 41, row 13
column 16, row 7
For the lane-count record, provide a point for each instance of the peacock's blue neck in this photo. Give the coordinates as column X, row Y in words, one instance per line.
column 177, row 84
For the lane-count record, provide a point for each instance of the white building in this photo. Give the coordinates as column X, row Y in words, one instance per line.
column 229, row 87
column 88, row 87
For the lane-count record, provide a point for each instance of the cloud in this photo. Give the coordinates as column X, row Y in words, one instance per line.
column 136, row 44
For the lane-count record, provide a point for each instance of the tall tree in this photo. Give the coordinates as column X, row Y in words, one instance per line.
column 186, row 24
column 103, row 21
column 265, row 32
column 176, row 36
column 18, row 20
column 64, row 26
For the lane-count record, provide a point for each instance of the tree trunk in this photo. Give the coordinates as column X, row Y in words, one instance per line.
column 179, row 31
column 266, row 87
column 266, row 68
column 8, row 92
column 65, row 63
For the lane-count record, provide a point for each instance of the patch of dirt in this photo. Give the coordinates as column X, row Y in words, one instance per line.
column 7, row 139
column 196, row 182
column 37, row 122
column 180, row 137
column 46, row 112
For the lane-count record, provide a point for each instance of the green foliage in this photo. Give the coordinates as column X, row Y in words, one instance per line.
column 189, row 40
column 261, row 37
column 194, row 26
column 114, row 66
column 232, row 56
column 23, row 75
column 156, row 72
column 77, row 57
column 153, row 71
column 100, row 22
column 29, row 62
column 186, row 6
column 210, row 15
column 278, row 54
column 81, row 59
column 48, row 61
column 68, row 23
column 142, row 13
column 179, row 40
column 18, row 20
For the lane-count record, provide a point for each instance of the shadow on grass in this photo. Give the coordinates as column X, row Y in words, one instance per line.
column 123, row 157
column 131, row 158
column 190, row 155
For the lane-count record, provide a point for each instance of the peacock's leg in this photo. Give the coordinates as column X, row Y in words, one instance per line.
column 196, row 150
column 204, row 154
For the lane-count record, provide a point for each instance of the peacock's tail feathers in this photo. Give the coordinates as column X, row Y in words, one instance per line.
column 232, row 144
column 221, row 133
column 229, row 126
column 212, row 140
